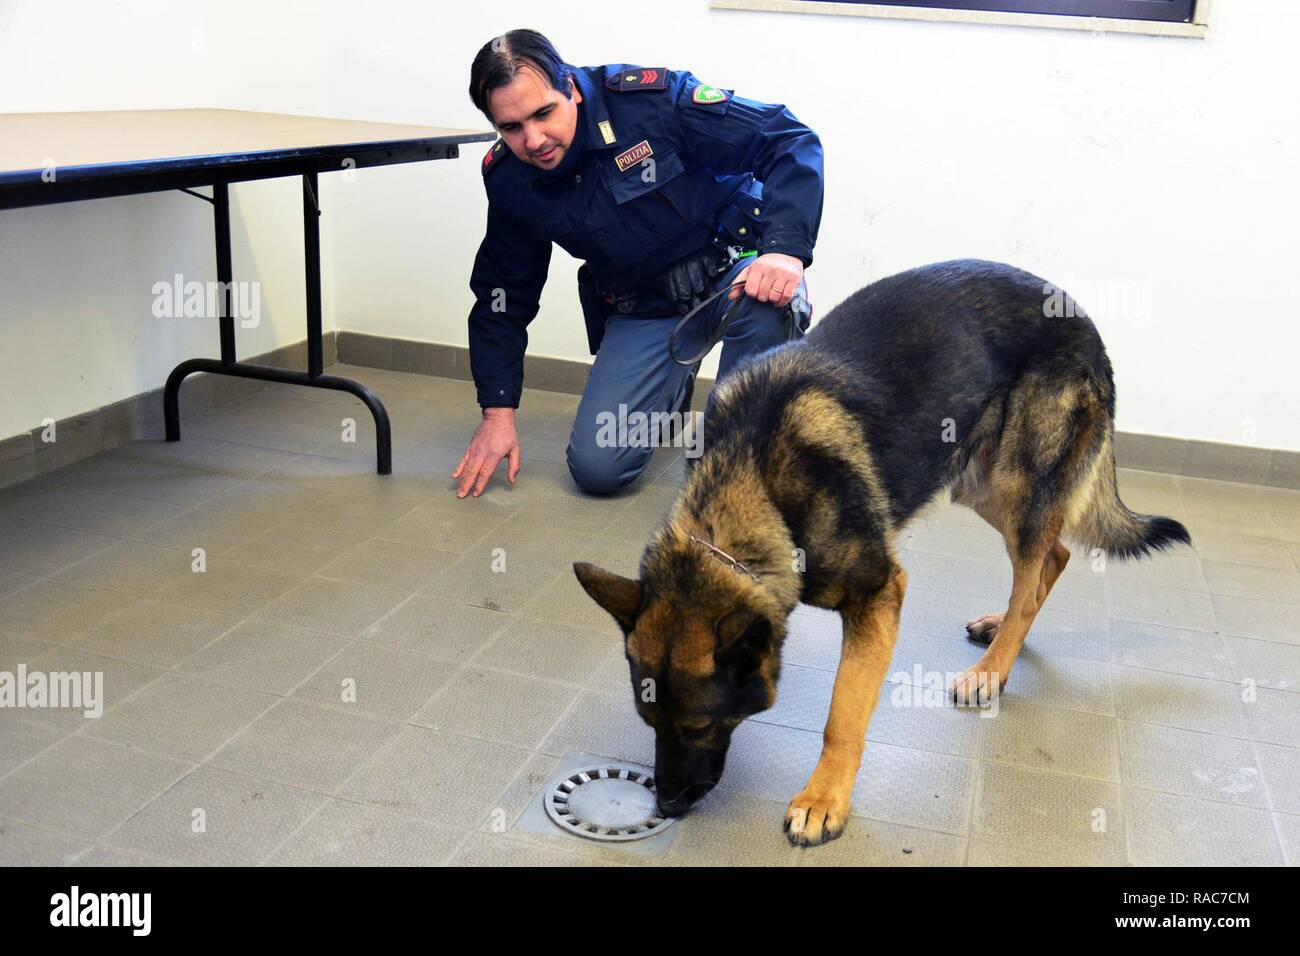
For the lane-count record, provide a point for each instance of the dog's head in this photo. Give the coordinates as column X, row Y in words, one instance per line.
column 704, row 653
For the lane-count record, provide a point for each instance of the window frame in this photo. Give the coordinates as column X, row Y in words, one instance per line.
column 1156, row 11
column 978, row 12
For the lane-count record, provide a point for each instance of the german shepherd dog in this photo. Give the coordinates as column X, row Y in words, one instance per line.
column 971, row 376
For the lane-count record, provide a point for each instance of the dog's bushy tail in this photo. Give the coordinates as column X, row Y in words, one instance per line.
column 1107, row 523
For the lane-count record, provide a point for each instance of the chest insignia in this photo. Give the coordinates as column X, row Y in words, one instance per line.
column 630, row 157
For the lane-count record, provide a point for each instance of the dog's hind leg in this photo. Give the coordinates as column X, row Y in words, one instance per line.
column 1035, row 566
column 1036, row 484
column 985, row 627
column 820, row 811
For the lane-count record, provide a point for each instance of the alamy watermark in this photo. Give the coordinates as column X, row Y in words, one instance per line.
column 1127, row 301
column 129, row 910
column 639, row 429
column 922, row 688
column 78, row 690
column 202, row 300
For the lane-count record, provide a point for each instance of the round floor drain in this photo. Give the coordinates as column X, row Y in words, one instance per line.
column 608, row 802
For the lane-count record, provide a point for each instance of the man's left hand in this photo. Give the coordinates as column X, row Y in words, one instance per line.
column 771, row 278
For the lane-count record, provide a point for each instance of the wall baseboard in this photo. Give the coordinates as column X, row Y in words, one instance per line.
column 25, row 456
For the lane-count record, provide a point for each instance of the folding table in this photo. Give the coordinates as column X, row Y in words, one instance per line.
column 68, row 157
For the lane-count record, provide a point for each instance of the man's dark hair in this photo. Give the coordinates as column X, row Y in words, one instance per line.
column 501, row 58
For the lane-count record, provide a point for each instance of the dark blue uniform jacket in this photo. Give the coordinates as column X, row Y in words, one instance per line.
column 660, row 166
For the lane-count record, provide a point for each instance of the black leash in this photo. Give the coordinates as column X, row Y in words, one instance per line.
column 722, row 326
column 791, row 321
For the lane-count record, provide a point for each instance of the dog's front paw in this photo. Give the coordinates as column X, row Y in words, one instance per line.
column 816, row 817
column 978, row 686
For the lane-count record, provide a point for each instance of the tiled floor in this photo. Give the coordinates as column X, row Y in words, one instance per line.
column 350, row 682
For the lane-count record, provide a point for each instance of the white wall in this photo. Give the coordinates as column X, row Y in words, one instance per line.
column 76, row 323
column 1134, row 170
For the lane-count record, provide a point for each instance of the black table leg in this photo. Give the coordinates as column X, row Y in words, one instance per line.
column 314, row 376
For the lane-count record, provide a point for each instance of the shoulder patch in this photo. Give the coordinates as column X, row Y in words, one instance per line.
column 708, row 95
column 638, row 79
column 492, row 158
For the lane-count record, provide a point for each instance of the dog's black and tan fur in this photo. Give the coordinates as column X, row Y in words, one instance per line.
column 957, row 375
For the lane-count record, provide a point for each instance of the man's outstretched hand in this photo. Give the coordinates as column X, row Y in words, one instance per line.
column 771, row 278
column 493, row 440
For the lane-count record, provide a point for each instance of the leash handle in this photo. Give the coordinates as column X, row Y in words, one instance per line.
column 795, row 312
column 721, row 331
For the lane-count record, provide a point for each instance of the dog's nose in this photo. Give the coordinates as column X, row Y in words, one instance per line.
column 675, row 807
column 679, row 804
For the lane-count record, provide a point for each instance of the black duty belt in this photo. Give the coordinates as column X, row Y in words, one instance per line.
column 625, row 301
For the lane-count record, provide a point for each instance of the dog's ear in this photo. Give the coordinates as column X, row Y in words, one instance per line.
column 744, row 640
column 618, row 595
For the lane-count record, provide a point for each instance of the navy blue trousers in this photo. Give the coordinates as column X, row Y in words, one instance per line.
column 633, row 373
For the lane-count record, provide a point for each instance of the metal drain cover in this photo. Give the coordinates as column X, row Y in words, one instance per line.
column 612, row 801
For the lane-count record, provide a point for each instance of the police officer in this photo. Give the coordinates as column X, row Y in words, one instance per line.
column 668, row 189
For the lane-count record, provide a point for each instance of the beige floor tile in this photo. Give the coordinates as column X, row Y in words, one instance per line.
column 1052, row 813
column 1167, row 830
column 1192, row 764
column 1152, row 717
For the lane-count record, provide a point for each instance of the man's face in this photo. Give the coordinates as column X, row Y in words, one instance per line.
column 536, row 120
